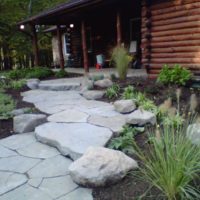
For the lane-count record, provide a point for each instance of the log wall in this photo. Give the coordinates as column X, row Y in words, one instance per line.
column 170, row 34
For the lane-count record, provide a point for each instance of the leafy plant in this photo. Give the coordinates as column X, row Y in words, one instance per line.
column 129, row 92
column 113, row 91
column 125, row 142
column 61, row 74
column 7, row 104
column 172, row 163
column 18, row 84
column 121, row 60
column 174, row 75
column 39, row 72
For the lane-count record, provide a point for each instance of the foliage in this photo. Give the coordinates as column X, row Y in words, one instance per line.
column 39, row 72
column 17, row 84
column 113, row 91
column 128, row 92
column 121, row 60
column 172, row 163
column 141, row 100
column 174, row 75
column 7, row 104
column 125, row 141
column 17, row 74
column 61, row 74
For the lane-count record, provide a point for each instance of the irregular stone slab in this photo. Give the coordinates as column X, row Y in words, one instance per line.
column 10, row 181
column 105, row 83
column 100, row 166
column 104, row 111
column 26, row 192
column 18, row 141
column 33, row 83
column 51, row 167
column 35, row 182
column 61, row 84
column 115, row 123
column 74, row 138
column 38, row 150
column 141, row 117
column 4, row 152
column 124, row 106
column 73, row 116
column 93, row 94
column 58, row 186
column 27, row 122
column 18, row 164
column 85, row 194
column 193, row 133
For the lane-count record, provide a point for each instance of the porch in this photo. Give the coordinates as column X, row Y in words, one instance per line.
column 98, row 26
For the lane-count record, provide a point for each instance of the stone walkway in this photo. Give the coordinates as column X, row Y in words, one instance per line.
column 30, row 170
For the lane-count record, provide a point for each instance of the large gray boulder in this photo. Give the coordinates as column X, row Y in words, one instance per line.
column 27, row 122
column 100, row 166
column 93, row 94
column 33, row 83
column 20, row 111
column 124, row 106
column 141, row 117
column 86, row 84
column 193, row 133
column 105, row 83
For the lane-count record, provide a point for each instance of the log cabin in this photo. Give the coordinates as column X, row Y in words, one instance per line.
column 157, row 32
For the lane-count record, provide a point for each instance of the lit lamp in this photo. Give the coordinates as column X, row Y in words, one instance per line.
column 22, row 27
column 71, row 25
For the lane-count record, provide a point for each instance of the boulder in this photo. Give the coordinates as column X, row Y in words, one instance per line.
column 193, row 133
column 86, row 84
column 20, row 111
column 101, row 166
column 27, row 122
column 93, row 94
column 105, row 83
column 33, row 83
column 124, row 106
column 141, row 117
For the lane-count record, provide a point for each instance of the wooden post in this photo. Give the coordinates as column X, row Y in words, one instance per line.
column 119, row 31
column 35, row 46
column 60, row 49
column 84, row 46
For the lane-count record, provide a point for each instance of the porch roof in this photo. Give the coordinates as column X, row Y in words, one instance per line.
column 66, row 11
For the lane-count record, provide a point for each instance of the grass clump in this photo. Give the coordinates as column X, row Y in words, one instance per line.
column 172, row 163
column 7, row 104
column 113, row 91
column 121, row 60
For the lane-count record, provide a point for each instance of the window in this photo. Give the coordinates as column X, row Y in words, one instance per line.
column 67, row 43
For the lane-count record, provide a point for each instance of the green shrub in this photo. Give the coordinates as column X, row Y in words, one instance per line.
column 17, row 74
column 7, row 104
column 61, row 73
column 17, row 84
column 39, row 72
column 174, row 75
column 172, row 163
column 113, row 91
column 125, row 142
column 121, row 60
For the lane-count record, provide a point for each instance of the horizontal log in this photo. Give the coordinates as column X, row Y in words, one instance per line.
column 174, row 38
column 170, row 4
column 174, row 44
column 183, row 25
column 172, row 15
column 175, row 8
column 175, row 32
column 184, row 19
column 173, row 60
column 174, row 55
